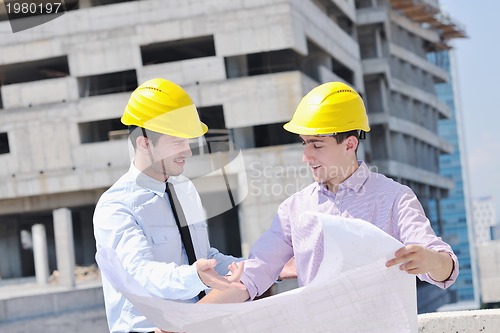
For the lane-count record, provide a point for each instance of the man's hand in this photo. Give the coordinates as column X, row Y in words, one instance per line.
column 210, row 278
column 232, row 294
column 236, row 269
column 417, row 259
column 205, row 268
column 289, row 271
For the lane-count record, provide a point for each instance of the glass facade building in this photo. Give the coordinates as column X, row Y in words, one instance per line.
column 451, row 216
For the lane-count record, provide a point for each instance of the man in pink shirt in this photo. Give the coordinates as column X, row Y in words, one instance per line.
column 330, row 120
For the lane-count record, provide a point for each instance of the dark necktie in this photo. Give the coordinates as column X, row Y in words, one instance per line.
column 182, row 225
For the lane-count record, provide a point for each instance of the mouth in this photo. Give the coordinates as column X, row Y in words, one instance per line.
column 315, row 169
column 180, row 162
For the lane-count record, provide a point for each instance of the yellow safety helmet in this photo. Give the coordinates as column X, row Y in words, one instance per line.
column 164, row 107
column 330, row 108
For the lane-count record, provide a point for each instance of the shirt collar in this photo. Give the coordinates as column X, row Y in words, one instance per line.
column 354, row 182
column 358, row 177
column 147, row 182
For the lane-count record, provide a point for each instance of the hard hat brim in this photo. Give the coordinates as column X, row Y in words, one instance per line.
column 183, row 122
column 302, row 130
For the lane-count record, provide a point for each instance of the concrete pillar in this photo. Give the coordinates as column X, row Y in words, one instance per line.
column 65, row 250
column 40, row 253
column 378, row 43
column 384, row 94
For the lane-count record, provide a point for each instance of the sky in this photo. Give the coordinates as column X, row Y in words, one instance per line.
column 478, row 69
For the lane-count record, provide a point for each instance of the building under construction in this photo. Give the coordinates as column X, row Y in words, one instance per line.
column 247, row 64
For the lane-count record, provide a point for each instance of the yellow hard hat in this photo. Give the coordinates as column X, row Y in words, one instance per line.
column 332, row 107
column 164, row 107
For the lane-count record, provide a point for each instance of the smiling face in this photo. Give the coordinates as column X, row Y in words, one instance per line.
column 164, row 158
column 331, row 163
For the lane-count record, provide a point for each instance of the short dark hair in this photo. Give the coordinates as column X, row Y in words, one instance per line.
column 135, row 131
column 341, row 137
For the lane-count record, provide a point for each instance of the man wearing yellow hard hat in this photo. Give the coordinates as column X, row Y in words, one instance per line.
column 330, row 120
column 152, row 216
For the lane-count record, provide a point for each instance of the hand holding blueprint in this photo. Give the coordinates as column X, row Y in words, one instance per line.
column 352, row 292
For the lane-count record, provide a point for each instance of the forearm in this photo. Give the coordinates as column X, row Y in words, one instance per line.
column 226, row 296
column 444, row 267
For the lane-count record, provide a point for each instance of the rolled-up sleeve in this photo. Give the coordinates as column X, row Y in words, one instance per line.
column 268, row 256
column 415, row 228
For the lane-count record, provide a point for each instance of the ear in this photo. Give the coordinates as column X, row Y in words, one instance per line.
column 142, row 143
column 352, row 143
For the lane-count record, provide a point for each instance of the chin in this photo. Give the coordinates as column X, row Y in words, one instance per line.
column 175, row 174
column 318, row 179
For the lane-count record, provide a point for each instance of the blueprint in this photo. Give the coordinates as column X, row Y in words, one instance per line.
column 352, row 292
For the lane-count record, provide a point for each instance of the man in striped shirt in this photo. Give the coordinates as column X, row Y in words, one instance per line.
column 331, row 119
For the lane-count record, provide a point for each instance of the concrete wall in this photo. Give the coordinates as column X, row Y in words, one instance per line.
column 273, row 174
column 81, row 321
column 488, row 256
column 54, row 310
column 484, row 321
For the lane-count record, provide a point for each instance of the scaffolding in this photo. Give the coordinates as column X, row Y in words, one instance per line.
column 430, row 16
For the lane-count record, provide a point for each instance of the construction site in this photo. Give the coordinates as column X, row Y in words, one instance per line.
column 247, row 64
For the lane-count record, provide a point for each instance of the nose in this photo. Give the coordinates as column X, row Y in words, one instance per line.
column 307, row 155
column 187, row 152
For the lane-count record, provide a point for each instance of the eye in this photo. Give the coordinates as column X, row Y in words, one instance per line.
column 317, row 147
column 180, row 143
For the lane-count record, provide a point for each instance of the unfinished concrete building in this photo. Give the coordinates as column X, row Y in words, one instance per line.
column 64, row 85
column 246, row 63
column 395, row 37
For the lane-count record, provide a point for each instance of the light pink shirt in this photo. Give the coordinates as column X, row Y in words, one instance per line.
column 366, row 195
